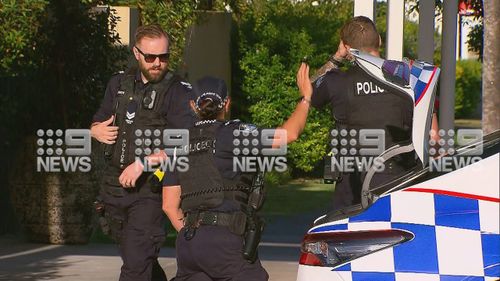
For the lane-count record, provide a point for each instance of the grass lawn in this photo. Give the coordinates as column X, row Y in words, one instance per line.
column 297, row 196
column 468, row 123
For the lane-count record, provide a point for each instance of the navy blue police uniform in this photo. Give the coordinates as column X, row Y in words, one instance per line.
column 134, row 214
column 358, row 101
column 214, row 198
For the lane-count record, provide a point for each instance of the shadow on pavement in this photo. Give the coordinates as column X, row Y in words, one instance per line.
column 21, row 260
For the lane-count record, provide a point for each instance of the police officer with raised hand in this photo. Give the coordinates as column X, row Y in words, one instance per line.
column 358, row 101
column 212, row 205
column 137, row 104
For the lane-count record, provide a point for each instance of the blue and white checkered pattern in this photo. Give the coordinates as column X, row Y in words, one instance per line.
column 452, row 240
column 420, row 76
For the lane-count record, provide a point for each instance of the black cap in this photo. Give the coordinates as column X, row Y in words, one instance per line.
column 209, row 88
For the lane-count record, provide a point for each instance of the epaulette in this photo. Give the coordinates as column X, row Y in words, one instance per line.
column 187, row 85
column 233, row 121
column 240, row 126
column 319, row 80
column 247, row 127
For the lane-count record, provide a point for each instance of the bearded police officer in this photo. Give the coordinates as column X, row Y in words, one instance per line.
column 358, row 101
column 212, row 203
column 139, row 101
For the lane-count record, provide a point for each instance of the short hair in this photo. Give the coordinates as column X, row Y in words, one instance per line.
column 151, row 31
column 360, row 33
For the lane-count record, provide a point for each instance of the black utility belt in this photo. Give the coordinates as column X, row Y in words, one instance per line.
column 235, row 221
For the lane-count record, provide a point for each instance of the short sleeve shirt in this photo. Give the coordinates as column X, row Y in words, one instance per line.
column 331, row 89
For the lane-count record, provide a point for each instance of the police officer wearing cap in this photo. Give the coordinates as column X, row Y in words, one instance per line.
column 358, row 101
column 210, row 204
column 138, row 104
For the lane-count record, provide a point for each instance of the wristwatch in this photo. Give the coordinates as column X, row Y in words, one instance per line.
column 304, row 100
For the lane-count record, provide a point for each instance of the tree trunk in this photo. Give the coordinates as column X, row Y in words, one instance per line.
column 491, row 66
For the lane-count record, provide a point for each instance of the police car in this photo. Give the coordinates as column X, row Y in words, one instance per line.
column 443, row 228
column 425, row 225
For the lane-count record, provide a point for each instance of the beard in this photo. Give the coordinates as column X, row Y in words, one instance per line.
column 153, row 74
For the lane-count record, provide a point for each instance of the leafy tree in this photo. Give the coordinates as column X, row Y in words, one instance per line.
column 475, row 38
column 20, row 22
column 491, row 72
column 272, row 38
column 468, row 87
column 175, row 17
column 55, row 59
column 63, row 55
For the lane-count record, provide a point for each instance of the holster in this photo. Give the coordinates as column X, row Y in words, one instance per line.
column 255, row 227
column 330, row 175
column 257, row 194
column 155, row 183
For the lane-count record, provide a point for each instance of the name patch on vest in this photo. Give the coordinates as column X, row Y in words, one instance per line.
column 201, row 146
column 367, row 88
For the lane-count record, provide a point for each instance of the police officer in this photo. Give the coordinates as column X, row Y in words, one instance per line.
column 212, row 204
column 358, row 101
column 138, row 103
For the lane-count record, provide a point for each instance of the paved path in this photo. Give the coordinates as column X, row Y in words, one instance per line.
column 279, row 252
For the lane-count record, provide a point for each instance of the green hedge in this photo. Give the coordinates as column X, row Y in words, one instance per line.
column 468, row 88
column 272, row 38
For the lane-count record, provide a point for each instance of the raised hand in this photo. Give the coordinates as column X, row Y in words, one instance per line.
column 303, row 81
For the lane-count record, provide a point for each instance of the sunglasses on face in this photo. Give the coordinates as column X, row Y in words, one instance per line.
column 150, row 58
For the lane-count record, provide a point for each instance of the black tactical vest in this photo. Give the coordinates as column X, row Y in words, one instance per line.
column 138, row 111
column 373, row 105
column 203, row 186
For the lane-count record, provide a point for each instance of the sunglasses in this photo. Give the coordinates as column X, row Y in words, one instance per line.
column 150, row 58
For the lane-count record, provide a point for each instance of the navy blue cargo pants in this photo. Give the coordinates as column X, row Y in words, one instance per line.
column 136, row 221
column 214, row 254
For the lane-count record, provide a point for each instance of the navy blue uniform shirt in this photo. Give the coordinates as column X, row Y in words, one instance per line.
column 176, row 109
column 223, row 150
column 224, row 155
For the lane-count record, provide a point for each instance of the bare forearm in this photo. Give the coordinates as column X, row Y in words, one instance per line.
column 297, row 121
column 171, row 202
column 175, row 216
column 435, row 127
